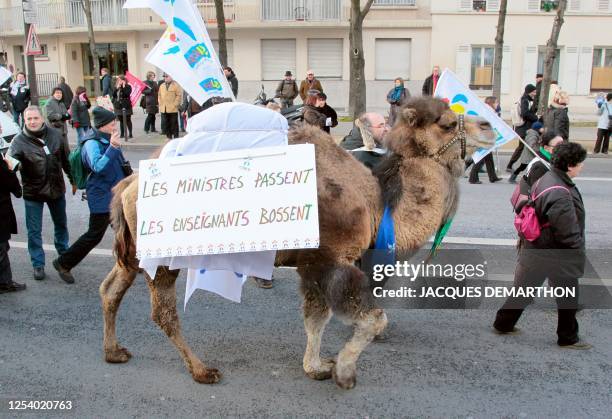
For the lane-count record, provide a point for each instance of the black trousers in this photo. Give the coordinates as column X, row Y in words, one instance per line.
column 170, row 125
column 6, row 275
column 509, row 314
column 519, row 169
column 98, row 223
column 603, row 141
column 516, row 155
column 488, row 161
column 128, row 120
column 150, row 123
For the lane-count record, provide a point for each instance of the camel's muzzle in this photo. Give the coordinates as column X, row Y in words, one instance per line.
column 461, row 136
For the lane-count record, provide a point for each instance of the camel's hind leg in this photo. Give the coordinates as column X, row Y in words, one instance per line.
column 112, row 290
column 163, row 312
column 316, row 316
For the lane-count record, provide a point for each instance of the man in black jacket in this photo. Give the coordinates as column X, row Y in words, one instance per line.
column 42, row 155
column 233, row 80
column 529, row 117
column 8, row 184
column 429, row 86
column 558, row 254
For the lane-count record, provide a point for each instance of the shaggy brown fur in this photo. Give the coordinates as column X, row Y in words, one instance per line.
column 422, row 191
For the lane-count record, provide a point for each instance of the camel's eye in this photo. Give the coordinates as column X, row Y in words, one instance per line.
column 449, row 127
column 484, row 125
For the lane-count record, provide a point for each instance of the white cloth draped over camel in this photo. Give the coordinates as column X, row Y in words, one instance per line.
column 228, row 126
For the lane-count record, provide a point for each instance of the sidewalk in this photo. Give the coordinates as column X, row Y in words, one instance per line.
column 142, row 141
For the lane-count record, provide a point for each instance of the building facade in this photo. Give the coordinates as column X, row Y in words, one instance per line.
column 402, row 38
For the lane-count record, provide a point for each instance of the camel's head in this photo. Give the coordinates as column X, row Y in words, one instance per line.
column 427, row 127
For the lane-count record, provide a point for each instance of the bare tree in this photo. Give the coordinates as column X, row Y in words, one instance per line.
column 549, row 59
column 92, row 47
column 357, row 84
column 221, row 32
column 499, row 49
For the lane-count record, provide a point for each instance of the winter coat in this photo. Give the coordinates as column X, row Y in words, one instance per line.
column 536, row 169
column 8, row 184
column 57, row 114
column 151, row 105
column 105, row 163
column 21, row 100
column 106, row 85
column 604, row 111
column 169, row 97
column 532, row 138
column 329, row 112
column 314, row 116
column 396, row 105
column 428, row 86
column 557, row 120
column 528, row 114
column 287, row 89
column 41, row 173
column 80, row 113
column 353, row 141
column 305, row 86
column 67, row 94
column 560, row 247
column 233, row 81
column 121, row 100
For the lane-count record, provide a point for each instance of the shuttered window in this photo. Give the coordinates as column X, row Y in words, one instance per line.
column 230, row 50
column 277, row 56
column 325, row 58
column 392, row 59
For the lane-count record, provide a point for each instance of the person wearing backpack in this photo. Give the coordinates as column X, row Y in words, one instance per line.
column 102, row 158
column 527, row 116
column 604, row 125
column 558, row 251
column 539, row 165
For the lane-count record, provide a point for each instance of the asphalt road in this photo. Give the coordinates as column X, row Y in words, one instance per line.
column 438, row 363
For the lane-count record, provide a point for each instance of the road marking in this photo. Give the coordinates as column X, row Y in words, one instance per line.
column 51, row 248
column 586, row 178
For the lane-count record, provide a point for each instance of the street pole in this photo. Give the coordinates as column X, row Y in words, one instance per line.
column 28, row 6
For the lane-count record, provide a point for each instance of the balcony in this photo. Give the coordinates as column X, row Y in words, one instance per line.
column 301, row 10
column 395, row 3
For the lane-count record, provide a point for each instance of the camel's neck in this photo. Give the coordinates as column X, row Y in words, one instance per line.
column 422, row 194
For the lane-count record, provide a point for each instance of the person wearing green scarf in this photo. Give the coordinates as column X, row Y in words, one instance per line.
column 540, row 164
column 397, row 97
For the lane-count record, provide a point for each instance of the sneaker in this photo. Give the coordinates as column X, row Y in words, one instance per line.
column 39, row 273
column 263, row 283
column 578, row 346
column 63, row 272
column 515, row 331
column 12, row 287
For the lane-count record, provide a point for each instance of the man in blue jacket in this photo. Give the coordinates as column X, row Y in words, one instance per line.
column 102, row 157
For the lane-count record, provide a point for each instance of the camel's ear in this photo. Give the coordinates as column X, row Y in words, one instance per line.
column 409, row 116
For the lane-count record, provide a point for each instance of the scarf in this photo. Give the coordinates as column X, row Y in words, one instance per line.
column 545, row 153
column 16, row 86
column 396, row 95
column 40, row 134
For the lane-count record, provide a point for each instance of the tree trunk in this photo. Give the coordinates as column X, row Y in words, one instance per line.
column 92, row 48
column 499, row 49
column 357, row 84
column 549, row 60
column 221, row 32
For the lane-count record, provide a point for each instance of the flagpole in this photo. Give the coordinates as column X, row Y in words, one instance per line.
column 30, row 66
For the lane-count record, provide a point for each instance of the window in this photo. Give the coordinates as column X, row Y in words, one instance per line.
column 395, row 3
column 481, row 74
column 325, row 58
column 549, row 5
column 277, row 56
column 541, row 55
column 230, row 50
column 479, row 5
column 392, row 59
column 601, row 78
column 45, row 51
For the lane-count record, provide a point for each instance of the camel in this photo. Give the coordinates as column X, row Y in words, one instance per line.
column 417, row 180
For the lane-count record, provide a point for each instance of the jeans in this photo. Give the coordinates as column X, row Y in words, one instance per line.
column 150, row 123
column 18, row 118
column 34, row 213
column 81, row 131
column 98, row 223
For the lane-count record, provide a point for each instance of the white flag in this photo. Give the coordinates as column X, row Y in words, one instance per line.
column 192, row 60
column 463, row 101
column 4, row 74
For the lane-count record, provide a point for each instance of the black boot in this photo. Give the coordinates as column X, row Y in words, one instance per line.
column 512, row 178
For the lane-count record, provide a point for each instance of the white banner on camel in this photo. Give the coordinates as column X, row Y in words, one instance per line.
column 228, row 202
column 463, row 101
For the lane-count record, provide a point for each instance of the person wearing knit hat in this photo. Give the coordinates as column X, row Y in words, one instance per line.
column 529, row 116
column 103, row 160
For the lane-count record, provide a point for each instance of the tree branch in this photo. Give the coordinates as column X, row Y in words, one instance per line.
column 366, row 9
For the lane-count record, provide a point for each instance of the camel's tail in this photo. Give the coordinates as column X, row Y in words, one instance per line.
column 124, row 248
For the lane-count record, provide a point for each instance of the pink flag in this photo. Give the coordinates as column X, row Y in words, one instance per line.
column 137, row 87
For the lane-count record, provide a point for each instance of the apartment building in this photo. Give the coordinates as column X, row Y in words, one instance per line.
column 401, row 38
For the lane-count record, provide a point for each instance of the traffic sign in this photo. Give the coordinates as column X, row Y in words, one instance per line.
column 33, row 46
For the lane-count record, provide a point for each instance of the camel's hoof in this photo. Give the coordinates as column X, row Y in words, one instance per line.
column 345, row 382
column 324, row 372
column 118, row 355
column 207, row 375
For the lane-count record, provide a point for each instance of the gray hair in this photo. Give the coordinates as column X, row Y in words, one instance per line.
column 33, row 108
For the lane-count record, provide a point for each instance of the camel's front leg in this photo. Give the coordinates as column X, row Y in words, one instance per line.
column 112, row 290
column 316, row 316
column 163, row 312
